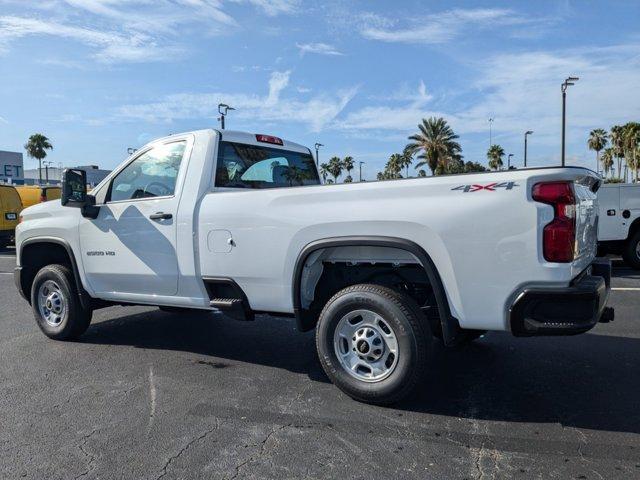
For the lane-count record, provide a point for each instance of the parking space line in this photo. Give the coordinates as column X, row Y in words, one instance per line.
column 626, row 289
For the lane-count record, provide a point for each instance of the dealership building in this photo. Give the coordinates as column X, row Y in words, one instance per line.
column 11, row 167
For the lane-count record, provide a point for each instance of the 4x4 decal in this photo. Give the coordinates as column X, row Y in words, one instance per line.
column 490, row 186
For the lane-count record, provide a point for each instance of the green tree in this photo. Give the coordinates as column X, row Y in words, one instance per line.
column 598, row 139
column 324, row 171
column 347, row 164
column 607, row 160
column 335, row 168
column 37, row 147
column 422, row 173
column 630, row 142
column 407, row 159
column 436, row 141
column 495, row 154
column 617, row 141
column 348, row 179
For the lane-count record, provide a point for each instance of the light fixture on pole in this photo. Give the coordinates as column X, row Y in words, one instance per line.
column 528, row 132
column 569, row 81
column 361, row 171
column 509, row 161
column 318, row 145
column 223, row 110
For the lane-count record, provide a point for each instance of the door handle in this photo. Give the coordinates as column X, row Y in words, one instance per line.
column 161, row 216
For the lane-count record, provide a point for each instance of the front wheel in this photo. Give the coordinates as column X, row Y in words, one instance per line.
column 373, row 343
column 631, row 251
column 56, row 304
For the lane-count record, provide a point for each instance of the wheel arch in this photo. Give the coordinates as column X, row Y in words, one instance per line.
column 304, row 317
column 60, row 251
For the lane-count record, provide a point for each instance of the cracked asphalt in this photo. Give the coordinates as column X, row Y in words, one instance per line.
column 148, row 395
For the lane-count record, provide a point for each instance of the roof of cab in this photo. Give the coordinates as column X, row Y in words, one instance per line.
column 245, row 137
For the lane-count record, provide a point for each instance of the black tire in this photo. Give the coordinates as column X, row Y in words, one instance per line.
column 4, row 244
column 411, row 329
column 74, row 319
column 631, row 252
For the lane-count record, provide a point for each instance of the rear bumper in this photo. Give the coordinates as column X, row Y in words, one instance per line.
column 564, row 311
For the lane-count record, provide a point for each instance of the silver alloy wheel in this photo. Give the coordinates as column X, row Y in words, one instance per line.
column 51, row 303
column 366, row 346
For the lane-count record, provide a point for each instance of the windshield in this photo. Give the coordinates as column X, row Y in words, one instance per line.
column 251, row 166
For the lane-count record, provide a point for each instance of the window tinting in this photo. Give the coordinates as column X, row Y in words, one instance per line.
column 250, row 166
column 152, row 174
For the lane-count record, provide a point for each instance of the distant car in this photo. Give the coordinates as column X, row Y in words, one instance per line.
column 10, row 207
column 619, row 225
column 34, row 194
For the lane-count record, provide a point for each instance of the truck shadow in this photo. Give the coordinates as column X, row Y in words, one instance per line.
column 588, row 381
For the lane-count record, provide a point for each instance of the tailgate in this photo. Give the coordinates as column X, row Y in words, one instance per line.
column 586, row 222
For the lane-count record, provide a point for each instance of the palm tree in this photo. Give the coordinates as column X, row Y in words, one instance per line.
column 347, row 164
column 324, row 171
column 37, row 147
column 607, row 160
column 630, row 141
column 407, row 158
column 495, row 154
column 437, row 142
column 598, row 139
column 348, row 179
column 617, row 134
column 335, row 168
column 394, row 166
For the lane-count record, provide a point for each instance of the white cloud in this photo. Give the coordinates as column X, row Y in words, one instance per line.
column 435, row 28
column 273, row 7
column 111, row 46
column 316, row 112
column 318, row 48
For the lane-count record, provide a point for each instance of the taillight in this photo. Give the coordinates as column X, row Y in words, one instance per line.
column 269, row 139
column 559, row 236
column 43, row 198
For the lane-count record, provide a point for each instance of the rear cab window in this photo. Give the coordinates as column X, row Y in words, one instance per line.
column 250, row 166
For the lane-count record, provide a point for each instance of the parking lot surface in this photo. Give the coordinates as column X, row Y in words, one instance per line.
column 147, row 395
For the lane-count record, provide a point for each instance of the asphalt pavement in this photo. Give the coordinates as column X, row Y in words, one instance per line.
column 147, row 395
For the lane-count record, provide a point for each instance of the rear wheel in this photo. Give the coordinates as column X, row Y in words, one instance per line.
column 631, row 251
column 56, row 304
column 373, row 343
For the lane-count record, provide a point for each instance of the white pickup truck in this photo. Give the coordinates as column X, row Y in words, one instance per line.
column 619, row 226
column 232, row 221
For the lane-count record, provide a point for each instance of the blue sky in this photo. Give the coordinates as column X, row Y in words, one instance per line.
column 98, row 76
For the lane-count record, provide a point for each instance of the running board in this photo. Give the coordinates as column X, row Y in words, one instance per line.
column 227, row 296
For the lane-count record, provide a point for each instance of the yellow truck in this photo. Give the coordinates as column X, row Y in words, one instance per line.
column 10, row 207
column 33, row 194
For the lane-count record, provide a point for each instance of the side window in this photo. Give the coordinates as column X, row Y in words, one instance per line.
column 250, row 166
column 152, row 174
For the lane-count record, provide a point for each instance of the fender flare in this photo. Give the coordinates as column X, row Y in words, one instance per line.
column 85, row 298
column 306, row 322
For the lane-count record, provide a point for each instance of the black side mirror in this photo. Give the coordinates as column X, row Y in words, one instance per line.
column 74, row 188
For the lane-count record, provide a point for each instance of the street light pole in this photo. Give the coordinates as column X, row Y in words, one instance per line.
column 490, row 138
column 223, row 110
column 528, row 132
column 563, row 87
column 318, row 145
column 509, row 161
column 361, row 171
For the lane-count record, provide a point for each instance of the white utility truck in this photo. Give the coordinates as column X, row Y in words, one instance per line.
column 232, row 221
column 619, row 226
